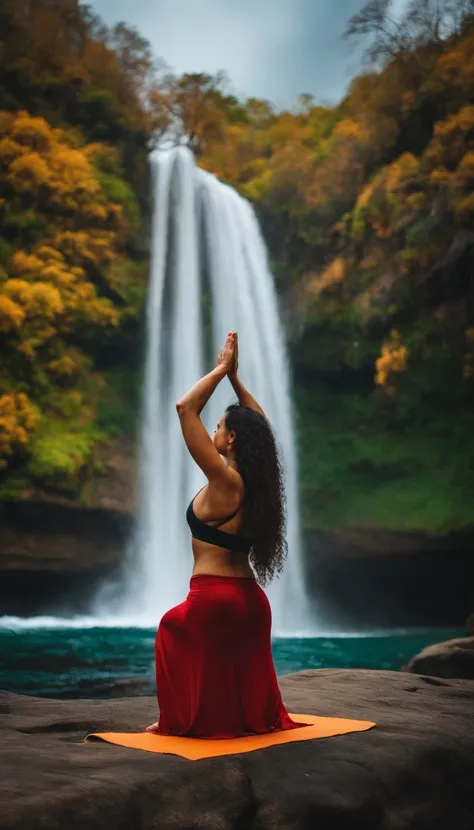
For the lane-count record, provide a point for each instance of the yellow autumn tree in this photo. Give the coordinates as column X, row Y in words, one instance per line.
column 47, row 171
column 450, row 158
column 51, row 195
column 395, row 196
column 18, row 418
column 340, row 168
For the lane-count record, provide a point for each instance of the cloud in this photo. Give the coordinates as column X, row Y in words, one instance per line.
column 245, row 38
column 273, row 49
column 398, row 7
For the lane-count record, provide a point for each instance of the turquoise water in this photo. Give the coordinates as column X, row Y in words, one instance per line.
column 76, row 662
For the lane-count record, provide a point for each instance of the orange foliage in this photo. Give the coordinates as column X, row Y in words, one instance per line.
column 394, row 196
column 332, row 275
column 64, row 366
column 392, row 359
column 338, row 172
column 45, row 166
column 453, row 73
column 18, row 418
column 48, row 290
column 11, row 314
column 450, row 156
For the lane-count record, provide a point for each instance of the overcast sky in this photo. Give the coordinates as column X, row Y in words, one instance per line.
column 274, row 49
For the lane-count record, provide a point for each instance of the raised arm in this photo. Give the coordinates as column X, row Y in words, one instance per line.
column 244, row 396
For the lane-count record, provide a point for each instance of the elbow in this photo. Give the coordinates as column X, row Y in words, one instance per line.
column 181, row 408
column 185, row 409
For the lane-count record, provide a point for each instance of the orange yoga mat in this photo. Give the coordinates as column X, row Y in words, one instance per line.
column 196, row 748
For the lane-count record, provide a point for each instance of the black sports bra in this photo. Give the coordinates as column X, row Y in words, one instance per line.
column 207, row 533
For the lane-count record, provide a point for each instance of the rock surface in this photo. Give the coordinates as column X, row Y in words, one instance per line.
column 362, row 542
column 453, row 658
column 413, row 771
column 370, row 578
column 57, row 538
column 53, row 555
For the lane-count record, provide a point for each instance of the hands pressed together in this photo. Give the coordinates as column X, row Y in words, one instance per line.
column 229, row 354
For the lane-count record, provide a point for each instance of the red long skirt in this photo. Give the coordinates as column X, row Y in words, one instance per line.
column 215, row 675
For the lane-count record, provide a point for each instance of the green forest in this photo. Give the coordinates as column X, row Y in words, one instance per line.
column 367, row 207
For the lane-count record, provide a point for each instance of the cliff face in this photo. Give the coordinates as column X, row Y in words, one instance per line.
column 53, row 556
column 116, row 489
column 54, row 552
column 54, row 538
column 370, row 578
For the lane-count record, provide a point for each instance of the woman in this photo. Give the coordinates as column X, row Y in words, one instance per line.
column 214, row 668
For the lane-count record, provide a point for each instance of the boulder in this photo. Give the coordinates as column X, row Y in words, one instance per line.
column 452, row 658
column 414, row 770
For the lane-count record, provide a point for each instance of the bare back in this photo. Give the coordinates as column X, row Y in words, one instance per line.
column 210, row 506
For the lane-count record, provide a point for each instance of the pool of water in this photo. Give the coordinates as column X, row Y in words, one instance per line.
column 70, row 661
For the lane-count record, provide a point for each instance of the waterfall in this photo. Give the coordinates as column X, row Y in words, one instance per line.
column 209, row 274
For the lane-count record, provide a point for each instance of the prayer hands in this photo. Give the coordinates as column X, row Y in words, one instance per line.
column 228, row 355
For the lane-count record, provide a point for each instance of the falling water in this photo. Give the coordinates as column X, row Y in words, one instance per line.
column 207, row 250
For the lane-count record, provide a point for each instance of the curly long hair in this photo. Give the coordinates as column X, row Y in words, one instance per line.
column 264, row 507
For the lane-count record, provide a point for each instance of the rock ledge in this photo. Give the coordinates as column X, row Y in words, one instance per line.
column 414, row 770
